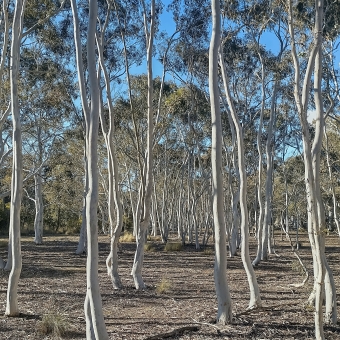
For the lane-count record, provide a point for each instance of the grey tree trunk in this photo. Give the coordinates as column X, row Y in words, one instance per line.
column 269, row 179
column 224, row 312
column 17, row 173
column 38, row 199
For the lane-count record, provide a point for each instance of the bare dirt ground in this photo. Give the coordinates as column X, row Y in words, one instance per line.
column 53, row 282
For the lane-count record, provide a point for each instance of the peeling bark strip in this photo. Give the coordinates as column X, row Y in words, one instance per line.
column 176, row 332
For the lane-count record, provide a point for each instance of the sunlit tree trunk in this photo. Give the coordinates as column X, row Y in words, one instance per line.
column 224, row 312
column 255, row 299
column 259, row 221
column 95, row 325
column 94, row 313
column 17, row 176
column 81, row 248
column 315, row 209
column 145, row 221
column 114, row 200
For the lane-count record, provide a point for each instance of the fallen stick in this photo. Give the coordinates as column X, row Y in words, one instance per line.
column 177, row 331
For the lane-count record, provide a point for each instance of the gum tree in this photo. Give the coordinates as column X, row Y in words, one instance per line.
column 224, row 312
column 17, row 172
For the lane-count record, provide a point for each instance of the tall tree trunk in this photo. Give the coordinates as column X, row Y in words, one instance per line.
column 316, row 216
column 259, row 222
column 94, row 314
column 144, row 223
column 114, row 199
column 255, row 299
column 81, row 82
column 38, row 199
column 17, row 176
column 224, row 312
column 266, row 239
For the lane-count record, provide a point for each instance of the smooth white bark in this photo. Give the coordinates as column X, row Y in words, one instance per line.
column 315, row 209
column 12, row 308
column 96, row 317
column 224, row 312
column 82, row 244
column 148, row 167
column 255, row 299
column 114, row 200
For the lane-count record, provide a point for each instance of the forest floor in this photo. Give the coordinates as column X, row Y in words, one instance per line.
column 179, row 297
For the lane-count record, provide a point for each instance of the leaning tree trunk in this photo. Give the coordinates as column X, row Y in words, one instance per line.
column 255, row 299
column 224, row 312
column 17, row 177
column 114, row 199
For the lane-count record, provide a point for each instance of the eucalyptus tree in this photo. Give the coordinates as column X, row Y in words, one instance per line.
column 108, row 130
column 255, row 300
column 47, row 86
column 63, row 176
column 95, row 325
column 5, row 108
column 323, row 280
column 224, row 312
column 189, row 110
column 17, row 172
column 146, row 187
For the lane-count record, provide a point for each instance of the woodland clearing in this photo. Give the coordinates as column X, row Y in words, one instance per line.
column 179, row 302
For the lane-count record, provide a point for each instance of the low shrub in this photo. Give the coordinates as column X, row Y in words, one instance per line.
column 208, row 251
column 127, row 237
column 149, row 247
column 173, row 246
column 163, row 287
column 54, row 324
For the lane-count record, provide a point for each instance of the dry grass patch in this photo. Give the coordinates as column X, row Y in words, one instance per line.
column 127, row 237
column 3, row 243
column 208, row 251
column 157, row 238
column 54, row 324
column 173, row 246
column 150, row 247
column 163, row 287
